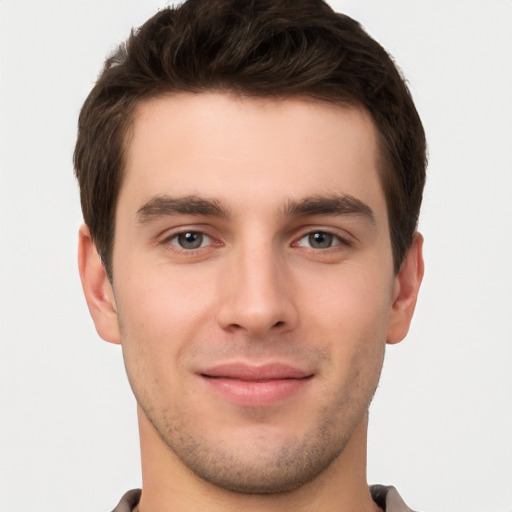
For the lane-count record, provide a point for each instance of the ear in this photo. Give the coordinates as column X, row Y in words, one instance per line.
column 405, row 292
column 97, row 288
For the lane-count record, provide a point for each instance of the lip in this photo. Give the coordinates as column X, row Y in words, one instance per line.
column 255, row 385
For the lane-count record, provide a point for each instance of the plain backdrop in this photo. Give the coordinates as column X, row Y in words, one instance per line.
column 441, row 422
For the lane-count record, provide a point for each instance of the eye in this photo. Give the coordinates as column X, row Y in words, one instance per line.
column 320, row 240
column 190, row 240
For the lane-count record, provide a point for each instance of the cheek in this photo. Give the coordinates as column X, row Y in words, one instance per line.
column 160, row 315
column 352, row 300
column 350, row 312
column 164, row 300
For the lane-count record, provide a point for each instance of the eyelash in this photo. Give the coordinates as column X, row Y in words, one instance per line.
column 336, row 241
column 168, row 241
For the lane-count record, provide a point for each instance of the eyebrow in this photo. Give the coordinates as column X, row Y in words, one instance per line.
column 329, row 205
column 161, row 206
column 164, row 205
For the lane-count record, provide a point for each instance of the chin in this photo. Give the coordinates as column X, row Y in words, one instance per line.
column 273, row 463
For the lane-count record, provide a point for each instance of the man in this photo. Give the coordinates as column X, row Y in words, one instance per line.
column 251, row 175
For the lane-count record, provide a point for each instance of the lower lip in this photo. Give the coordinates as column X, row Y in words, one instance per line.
column 256, row 393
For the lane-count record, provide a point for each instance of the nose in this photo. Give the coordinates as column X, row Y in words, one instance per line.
column 256, row 293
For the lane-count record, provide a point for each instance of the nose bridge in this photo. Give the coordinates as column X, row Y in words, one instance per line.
column 257, row 295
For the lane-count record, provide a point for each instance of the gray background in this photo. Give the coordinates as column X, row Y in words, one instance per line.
column 441, row 422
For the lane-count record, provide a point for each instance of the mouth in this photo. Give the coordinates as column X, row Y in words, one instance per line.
column 256, row 386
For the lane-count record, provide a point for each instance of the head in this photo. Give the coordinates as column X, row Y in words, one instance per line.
column 263, row 49
column 251, row 174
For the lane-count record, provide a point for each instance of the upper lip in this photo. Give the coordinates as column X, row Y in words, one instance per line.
column 251, row 372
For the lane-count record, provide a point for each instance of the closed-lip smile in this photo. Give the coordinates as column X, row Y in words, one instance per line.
column 255, row 385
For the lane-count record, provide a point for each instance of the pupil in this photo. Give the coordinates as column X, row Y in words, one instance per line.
column 190, row 240
column 320, row 240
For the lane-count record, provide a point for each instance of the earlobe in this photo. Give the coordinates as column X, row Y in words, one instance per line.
column 407, row 285
column 97, row 288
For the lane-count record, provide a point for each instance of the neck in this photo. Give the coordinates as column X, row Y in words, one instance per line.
column 168, row 485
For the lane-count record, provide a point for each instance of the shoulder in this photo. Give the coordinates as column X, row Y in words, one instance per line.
column 128, row 501
column 388, row 499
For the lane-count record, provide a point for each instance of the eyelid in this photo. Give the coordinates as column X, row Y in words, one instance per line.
column 177, row 235
column 175, row 230
column 336, row 241
column 167, row 238
column 343, row 239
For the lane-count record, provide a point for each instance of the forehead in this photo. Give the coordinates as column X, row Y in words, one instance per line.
column 234, row 148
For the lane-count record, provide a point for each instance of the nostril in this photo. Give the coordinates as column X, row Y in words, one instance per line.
column 278, row 324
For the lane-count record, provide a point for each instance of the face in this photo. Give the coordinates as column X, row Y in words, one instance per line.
column 253, row 283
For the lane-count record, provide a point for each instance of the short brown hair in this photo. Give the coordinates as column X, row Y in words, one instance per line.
column 257, row 48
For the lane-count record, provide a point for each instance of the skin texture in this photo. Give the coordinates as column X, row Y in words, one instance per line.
column 293, row 266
